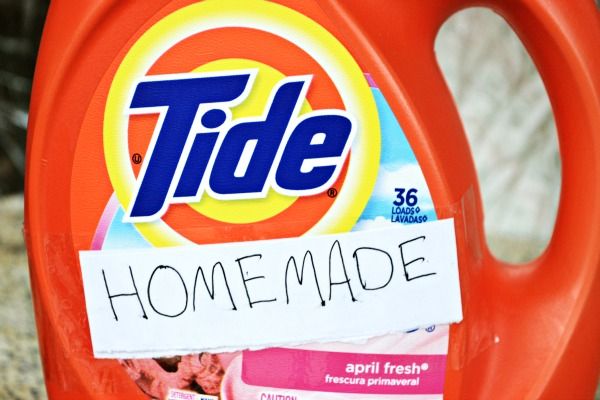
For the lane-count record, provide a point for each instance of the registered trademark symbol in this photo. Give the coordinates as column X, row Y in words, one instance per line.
column 332, row 192
column 136, row 158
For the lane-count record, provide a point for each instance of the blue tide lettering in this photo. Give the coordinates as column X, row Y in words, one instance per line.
column 313, row 153
column 197, row 147
column 178, row 100
column 267, row 134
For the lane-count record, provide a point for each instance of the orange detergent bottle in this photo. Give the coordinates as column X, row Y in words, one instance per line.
column 275, row 199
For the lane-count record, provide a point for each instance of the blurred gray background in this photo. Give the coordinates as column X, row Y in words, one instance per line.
column 21, row 23
column 501, row 98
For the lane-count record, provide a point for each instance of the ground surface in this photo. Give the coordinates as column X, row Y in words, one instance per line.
column 20, row 372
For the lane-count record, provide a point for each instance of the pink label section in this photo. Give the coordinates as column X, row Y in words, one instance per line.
column 335, row 372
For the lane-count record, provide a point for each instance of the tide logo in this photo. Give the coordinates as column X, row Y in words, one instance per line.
column 244, row 118
column 198, row 147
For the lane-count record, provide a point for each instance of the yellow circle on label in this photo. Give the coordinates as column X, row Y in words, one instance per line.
column 269, row 17
column 251, row 210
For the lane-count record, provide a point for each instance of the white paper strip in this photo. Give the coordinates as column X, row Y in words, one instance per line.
column 226, row 297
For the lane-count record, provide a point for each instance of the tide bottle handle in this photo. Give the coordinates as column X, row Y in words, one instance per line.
column 529, row 331
column 560, row 291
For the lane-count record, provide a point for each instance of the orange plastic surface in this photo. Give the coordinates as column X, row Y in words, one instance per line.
column 528, row 332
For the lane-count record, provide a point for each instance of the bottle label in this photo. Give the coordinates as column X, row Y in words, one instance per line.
column 220, row 123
